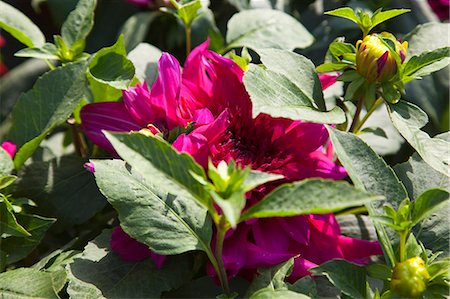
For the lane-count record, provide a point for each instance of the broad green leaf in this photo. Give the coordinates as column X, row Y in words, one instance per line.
column 47, row 51
column 348, row 277
column 136, row 28
column 18, row 248
column 409, row 119
column 20, row 26
column 6, row 163
column 145, row 58
column 381, row 16
column 428, row 203
column 369, row 172
column 111, row 66
column 298, row 69
column 427, row 62
column 57, row 260
column 8, row 221
column 53, row 98
column 188, row 12
column 266, row 28
column 6, row 180
column 269, row 293
column 272, row 278
column 79, row 22
column 256, row 178
column 306, row 285
column 152, row 208
column 100, row 273
column 310, row 196
column 344, row 12
column 59, row 187
column 379, row 271
column 337, row 49
column 27, row 283
column 276, row 95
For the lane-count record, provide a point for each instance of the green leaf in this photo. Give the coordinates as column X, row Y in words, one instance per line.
column 111, row 66
column 8, row 221
column 408, row 119
column 428, row 203
column 309, row 196
column 87, row 277
column 298, row 69
column 423, row 38
column 189, row 12
column 427, row 62
column 135, row 29
column 59, row 187
column 269, row 293
column 337, row 49
column 79, row 23
column 27, row 283
column 6, row 180
column 256, row 178
column 369, row 172
column 145, row 58
column 20, row 26
column 47, row 51
column 152, row 208
column 266, row 28
column 18, row 248
column 6, row 162
column 276, row 95
column 332, row 67
column 374, row 130
column 348, row 277
column 306, row 285
column 53, row 98
column 381, row 16
column 379, row 271
column 344, row 12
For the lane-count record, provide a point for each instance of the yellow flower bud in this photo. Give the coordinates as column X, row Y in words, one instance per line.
column 373, row 60
column 409, row 278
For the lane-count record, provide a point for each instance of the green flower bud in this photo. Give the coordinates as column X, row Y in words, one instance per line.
column 373, row 59
column 409, row 278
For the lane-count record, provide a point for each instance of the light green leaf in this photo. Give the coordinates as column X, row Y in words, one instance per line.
column 427, row 203
column 348, row 277
column 88, row 279
column 47, row 51
column 337, row 49
column 152, row 208
column 6, row 162
column 27, row 283
column 265, row 28
column 145, row 58
column 344, row 12
column 298, row 69
column 256, row 178
column 231, row 206
column 79, row 22
column 423, row 38
column 332, row 67
column 111, row 66
column 276, row 95
column 408, row 119
column 269, row 293
column 6, row 180
column 20, row 26
column 18, row 248
column 189, row 12
column 53, row 98
column 381, row 16
column 136, row 28
column 369, row 172
column 309, row 196
column 427, row 62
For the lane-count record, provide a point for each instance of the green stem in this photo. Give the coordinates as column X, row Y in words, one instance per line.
column 356, row 116
column 50, row 64
column 221, row 230
column 352, row 211
column 187, row 29
column 402, row 245
column 374, row 107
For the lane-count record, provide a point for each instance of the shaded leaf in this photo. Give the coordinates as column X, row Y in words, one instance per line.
column 428, row 203
column 28, row 283
column 79, row 22
column 135, row 29
column 145, row 58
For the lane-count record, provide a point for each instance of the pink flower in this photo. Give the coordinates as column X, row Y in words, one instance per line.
column 9, row 147
column 140, row 2
column 440, row 8
column 210, row 93
column 327, row 80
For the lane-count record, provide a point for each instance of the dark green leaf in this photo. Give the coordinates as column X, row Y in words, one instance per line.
column 8, row 221
column 379, row 271
column 19, row 247
column 100, row 273
column 408, row 119
column 427, row 62
column 381, row 16
column 266, row 28
column 27, row 283
column 349, row 278
column 79, row 22
column 111, row 66
column 344, row 12
column 305, row 285
column 136, row 28
column 53, row 98
column 61, row 186
column 310, row 196
column 20, row 26
column 428, row 203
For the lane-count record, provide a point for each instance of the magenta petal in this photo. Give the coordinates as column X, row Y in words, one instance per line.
column 128, row 248
column 9, row 147
column 109, row 116
column 327, row 80
column 381, row 62
column 300, row 269
column 138, row 103
column 358, row 250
